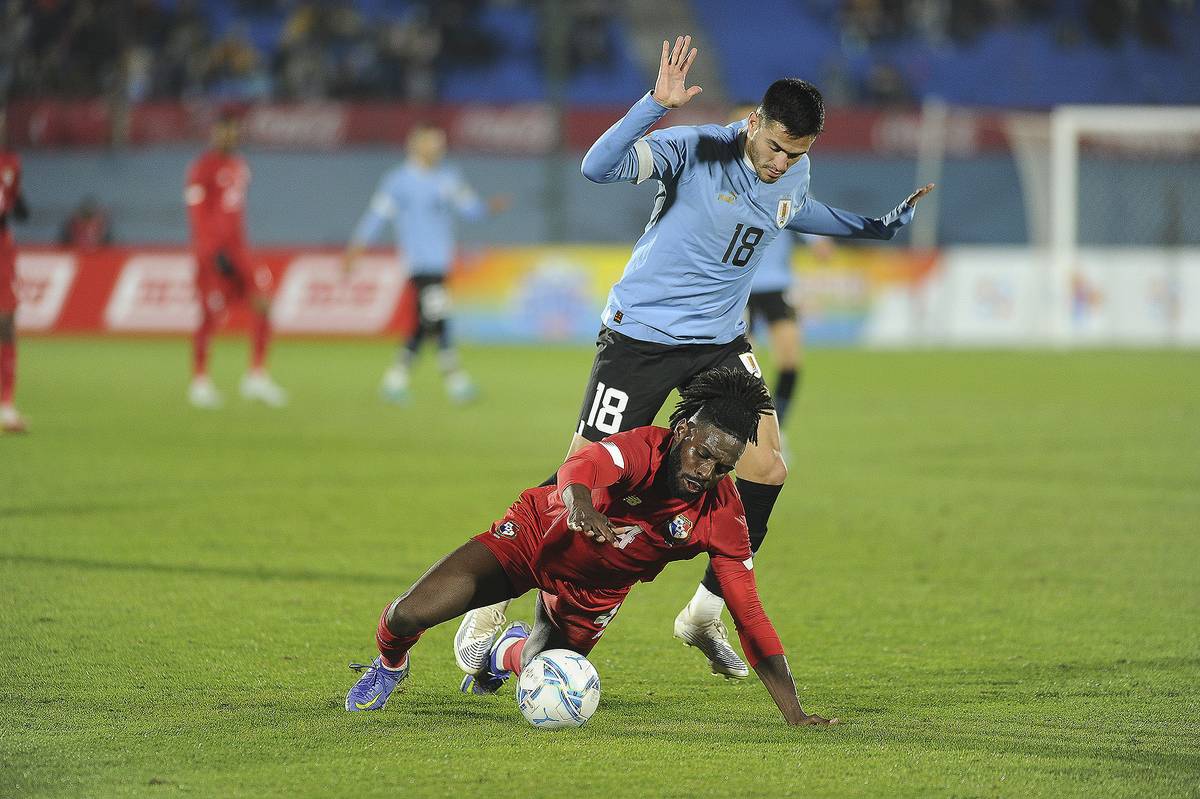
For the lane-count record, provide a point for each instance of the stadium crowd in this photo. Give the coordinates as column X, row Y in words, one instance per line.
column 137, row 50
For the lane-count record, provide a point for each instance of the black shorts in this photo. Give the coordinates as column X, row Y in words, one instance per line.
column 769, row 306
column 432, row 301
column 631, row 379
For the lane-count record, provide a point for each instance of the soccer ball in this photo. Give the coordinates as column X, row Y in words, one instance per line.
column 559, row 688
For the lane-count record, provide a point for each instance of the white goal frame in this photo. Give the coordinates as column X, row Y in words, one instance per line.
column 1068, row 124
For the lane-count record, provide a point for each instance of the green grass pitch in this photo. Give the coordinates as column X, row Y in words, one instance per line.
column 987, row 564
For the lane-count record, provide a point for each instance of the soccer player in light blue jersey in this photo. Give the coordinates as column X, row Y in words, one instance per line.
column 724, row 194
column 421, row 199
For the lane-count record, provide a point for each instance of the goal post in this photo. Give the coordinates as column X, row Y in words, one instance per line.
column 1130, row 130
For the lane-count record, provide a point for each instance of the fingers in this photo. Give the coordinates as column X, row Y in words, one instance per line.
column 662, row 62
column 687, row 62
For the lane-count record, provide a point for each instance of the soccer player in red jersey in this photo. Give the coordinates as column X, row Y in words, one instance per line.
column 216, row 201
column 623, row 509
column 12, row 206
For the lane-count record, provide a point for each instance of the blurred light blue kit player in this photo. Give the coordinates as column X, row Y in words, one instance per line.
column 421, row 199
column 725, row 193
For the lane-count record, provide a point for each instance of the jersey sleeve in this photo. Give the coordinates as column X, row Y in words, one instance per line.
column 733, row 564
column 466, row 201
column 816, row 217
column 622, row 458
column 621, row 153
column 382, row 209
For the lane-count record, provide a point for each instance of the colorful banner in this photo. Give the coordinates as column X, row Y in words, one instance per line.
column 509, row 294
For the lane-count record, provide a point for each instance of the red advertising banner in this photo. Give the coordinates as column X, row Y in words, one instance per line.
column 148, row 290
column 525, row 129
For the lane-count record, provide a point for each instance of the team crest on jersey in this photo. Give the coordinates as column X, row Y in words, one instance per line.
column 727, row 197
column 784, row 214
column 680, row 527
column 508, row 529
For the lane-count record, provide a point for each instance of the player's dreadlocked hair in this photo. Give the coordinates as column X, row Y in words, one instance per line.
column 730, row 399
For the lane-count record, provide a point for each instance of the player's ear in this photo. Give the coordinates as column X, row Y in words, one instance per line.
column 680, row 431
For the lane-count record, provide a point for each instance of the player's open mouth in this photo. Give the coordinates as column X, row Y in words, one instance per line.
column 695, row 486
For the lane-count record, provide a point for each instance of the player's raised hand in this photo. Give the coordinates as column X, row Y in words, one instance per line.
column 916, row 196
column 671, row 88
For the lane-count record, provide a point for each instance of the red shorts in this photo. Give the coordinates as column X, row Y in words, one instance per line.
column 580, row 614
column 218, row 290
column 8, row 274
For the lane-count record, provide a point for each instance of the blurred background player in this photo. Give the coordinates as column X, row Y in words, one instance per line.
column 770, row 306
column 216, row 199
column 421, row 198
column 12, row 207
column 88, row 228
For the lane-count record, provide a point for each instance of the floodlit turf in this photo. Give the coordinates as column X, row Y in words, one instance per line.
column 987, row 564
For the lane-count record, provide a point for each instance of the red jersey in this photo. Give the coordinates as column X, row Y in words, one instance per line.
column 216, row 201
column 10, row 186
column 628, row 475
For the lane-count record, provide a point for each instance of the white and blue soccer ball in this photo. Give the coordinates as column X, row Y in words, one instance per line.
column 558, row 688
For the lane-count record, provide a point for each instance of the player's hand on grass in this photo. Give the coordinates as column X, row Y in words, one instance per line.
column 916, row 196
column 671, row 88
column 813, row 720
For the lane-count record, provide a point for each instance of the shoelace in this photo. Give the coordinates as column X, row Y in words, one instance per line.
column 718, row 628
column 360, row 667
column 494, row 619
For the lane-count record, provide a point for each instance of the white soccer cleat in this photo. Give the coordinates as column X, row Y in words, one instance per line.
column 712, row 639
column 475, row 636
column 394, row 386
column 459, row 387
column 11, row 420
column 259, row 386
column 203, row 394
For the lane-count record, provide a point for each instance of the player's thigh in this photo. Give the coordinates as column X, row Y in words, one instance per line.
column 785, row 343
column 629, row 382
column 575, row 622
column 469, row 577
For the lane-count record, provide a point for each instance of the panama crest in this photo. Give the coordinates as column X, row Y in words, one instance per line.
column 507, row 529
column 680, row 527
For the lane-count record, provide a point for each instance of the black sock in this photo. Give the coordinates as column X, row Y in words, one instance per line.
column 758, row 499
column 785, row 386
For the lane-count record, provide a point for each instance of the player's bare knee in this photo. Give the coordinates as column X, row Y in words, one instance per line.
column 402, row 621
column 773, row 471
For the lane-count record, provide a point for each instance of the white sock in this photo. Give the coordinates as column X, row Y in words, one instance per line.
column 705, row 606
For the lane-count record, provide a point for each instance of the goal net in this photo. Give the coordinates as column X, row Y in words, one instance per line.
column 1112, row 201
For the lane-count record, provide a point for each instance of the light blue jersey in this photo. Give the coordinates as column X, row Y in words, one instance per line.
column 690, row 274
column 421, row 204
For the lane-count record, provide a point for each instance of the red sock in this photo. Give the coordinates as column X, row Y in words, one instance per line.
column 200, row 342
column 8, row 371
column 261, row 337
column 512, row 657
column 393, row 649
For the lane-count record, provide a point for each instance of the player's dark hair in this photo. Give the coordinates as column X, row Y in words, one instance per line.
column 796, row 105
column 730, row 399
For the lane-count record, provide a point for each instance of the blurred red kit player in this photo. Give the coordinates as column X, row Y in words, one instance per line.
column 215, row 194
column 12, row 206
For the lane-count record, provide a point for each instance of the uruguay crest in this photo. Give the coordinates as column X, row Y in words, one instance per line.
column 508, row 529
column 784, row 213
column 680, row 527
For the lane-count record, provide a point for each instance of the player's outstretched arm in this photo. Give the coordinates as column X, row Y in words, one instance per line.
column 621, row 153
column 817, row 218
column 777, row 677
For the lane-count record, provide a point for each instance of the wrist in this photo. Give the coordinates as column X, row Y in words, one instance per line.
column 658, row 102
